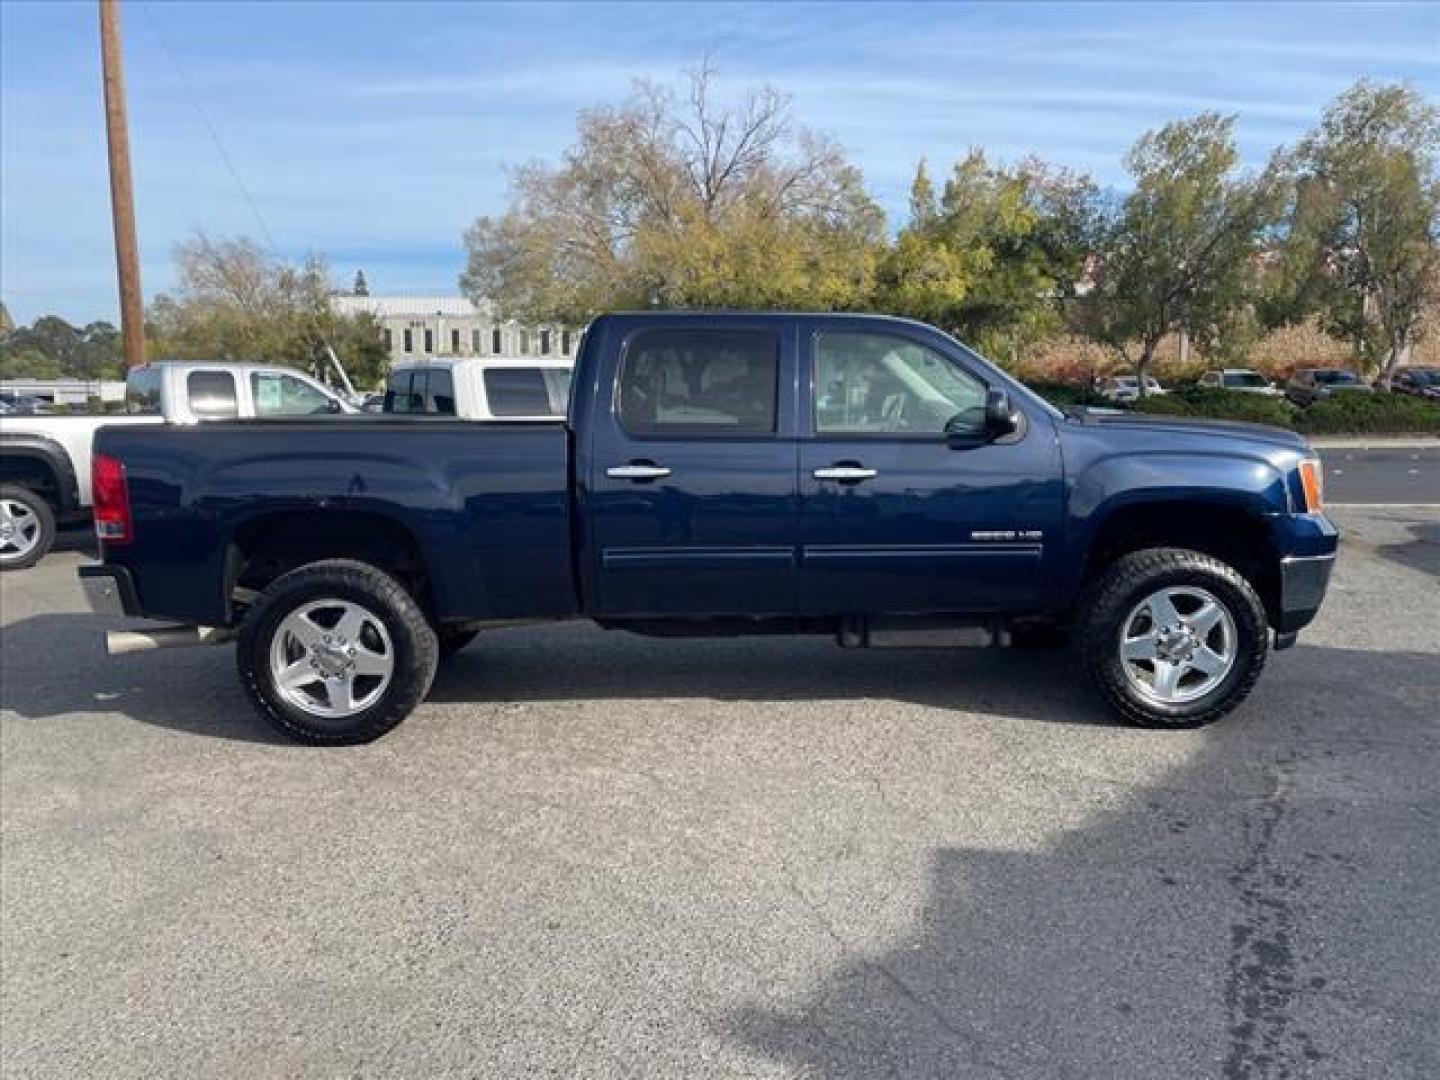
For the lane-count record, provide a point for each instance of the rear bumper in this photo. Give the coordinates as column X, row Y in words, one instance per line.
column 109, row 590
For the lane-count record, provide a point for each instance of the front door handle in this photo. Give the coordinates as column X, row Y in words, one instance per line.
column 846, row 474
column 637, row 471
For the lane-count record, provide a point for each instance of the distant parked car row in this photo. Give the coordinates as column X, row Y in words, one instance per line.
column 1305, row 387
column 1421, row 382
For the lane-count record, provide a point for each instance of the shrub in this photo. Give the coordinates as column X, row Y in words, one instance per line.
column 1370, row 414
column 1061, row 395
column 1222, row 405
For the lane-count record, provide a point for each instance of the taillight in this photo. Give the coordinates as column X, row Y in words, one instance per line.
column 1312, row 483
column 111, row 496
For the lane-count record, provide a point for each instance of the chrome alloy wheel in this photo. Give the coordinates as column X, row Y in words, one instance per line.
column 19, row 529
column 331, row 658
column 1177, row 645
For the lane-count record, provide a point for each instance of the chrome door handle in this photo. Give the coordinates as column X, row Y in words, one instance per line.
column 851, row 473
column 637, row 472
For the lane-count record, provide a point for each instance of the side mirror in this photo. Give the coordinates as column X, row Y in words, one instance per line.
column 1000, row 417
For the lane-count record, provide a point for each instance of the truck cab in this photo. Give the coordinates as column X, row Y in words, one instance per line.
column 480, row 388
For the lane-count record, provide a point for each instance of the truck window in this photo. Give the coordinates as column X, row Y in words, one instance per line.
column 212, row 395
column 713, row 382
column 440, row 393
column 400, row 394
column 882, row 384
column 517, row 392
column 277, row 394
column 557, row 384
column 142, row 392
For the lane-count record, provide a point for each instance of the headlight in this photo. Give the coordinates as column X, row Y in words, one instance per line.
column 1312, row 485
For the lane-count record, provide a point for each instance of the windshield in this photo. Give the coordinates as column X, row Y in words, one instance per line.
column 1244, row 378
column 1336, row 378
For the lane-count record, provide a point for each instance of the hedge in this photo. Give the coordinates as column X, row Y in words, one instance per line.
column 1344, row 414
column 1222, row 405
column 1368, row 414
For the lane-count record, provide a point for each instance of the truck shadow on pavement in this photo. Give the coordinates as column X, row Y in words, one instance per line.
column 1264, row 911
column 1421, row 552
column 197, row 691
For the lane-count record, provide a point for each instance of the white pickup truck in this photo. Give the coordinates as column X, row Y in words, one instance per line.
column 45, row 459
column 476, row 388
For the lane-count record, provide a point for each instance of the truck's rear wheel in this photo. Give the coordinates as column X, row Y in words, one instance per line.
column 336, row 652
column 27, row 527
column 1172, row 637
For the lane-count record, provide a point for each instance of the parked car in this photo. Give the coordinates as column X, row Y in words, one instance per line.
column 720, row 473
column 1240, row 380
column 23, row 405
column 1421, row 382
column 474, row 388
column 45, row 460
column 1309, row 385
column 1126, row 388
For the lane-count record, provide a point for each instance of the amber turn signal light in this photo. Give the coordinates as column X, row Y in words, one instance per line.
column 1312, row 483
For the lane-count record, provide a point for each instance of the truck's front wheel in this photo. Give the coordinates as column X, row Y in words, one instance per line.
column 1172, row 637
column 336, row 652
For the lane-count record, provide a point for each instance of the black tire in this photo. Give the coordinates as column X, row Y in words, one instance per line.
column 453, row 639
column 1127, row 582
column 416, row 651
column 45, row 516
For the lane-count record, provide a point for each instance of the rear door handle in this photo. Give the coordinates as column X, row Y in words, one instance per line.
column 845, row 473
column 637, row 471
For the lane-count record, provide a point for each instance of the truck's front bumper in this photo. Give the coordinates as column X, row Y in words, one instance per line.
column 1303, row 581
column 109, row 590
column 1307, row 546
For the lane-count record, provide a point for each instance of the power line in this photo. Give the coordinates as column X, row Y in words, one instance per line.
column 214, row 132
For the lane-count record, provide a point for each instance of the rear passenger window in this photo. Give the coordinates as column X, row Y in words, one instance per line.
column 142, row 392
column 399, row 394
column 713, row 382
column 517, row 392
column 212, row 395
column 440, row 395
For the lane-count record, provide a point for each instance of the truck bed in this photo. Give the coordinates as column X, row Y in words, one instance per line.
column 487, row 505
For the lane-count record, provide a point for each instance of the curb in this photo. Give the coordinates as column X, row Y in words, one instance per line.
column 1375, row 442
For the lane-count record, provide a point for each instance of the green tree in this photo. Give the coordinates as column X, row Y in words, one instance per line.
column 6, row 323
column 995, row 257
column 236, row 303
column 677, row 200
column 1364, row 241
column 1182, row 251
column 28, row 362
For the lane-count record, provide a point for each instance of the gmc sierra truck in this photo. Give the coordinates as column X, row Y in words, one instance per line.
column 720, row 473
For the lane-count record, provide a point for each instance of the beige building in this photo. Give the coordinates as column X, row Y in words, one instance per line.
column 417, row 327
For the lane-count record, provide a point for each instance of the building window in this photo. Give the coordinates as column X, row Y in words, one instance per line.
column 454, row 341
column 495, row 346
column 429, row 341
column 475, row 342
column 524, row 342
column 409, row 341
column 545, row 342
column 565, row 342
column 389, row 340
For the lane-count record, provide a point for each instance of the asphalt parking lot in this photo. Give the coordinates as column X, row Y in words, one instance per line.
column 592, row 854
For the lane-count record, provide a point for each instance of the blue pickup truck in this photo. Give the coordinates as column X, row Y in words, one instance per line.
column 720, row 473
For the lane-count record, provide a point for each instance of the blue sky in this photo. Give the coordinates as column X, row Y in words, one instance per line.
column 375, row 132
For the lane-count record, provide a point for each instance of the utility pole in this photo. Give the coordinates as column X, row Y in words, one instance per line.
column 122, row 195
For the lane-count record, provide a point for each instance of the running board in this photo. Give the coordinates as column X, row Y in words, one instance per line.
column 121, row 642
column 920, row 632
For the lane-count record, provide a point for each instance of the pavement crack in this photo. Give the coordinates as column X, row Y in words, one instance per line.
column 1261, row 981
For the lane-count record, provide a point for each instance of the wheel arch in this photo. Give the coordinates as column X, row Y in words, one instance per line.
column 267, row 545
